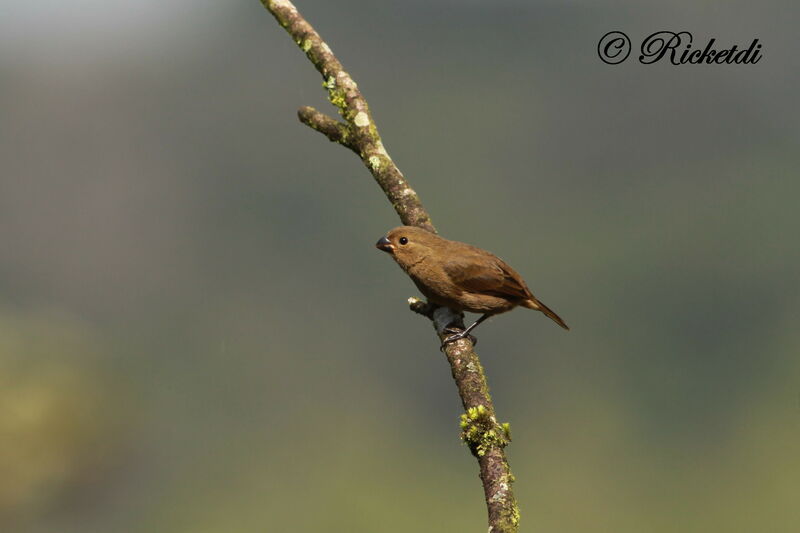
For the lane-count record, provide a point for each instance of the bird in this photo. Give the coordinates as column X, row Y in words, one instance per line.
column 460, row 276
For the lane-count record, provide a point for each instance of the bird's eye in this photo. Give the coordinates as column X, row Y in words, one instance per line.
column 403, row 240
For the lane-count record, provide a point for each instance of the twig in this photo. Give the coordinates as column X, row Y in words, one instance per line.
column 485, row 437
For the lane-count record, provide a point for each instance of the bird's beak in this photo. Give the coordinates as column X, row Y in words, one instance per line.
column 385, row 245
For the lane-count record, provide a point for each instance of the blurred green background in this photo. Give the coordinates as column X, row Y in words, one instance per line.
column 197, row 335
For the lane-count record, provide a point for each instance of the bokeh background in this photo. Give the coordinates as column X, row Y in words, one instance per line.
column 197, row 335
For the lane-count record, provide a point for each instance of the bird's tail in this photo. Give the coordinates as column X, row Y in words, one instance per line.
column 533, row 303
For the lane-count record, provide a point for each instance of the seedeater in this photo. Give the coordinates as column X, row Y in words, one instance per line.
column 460, row 276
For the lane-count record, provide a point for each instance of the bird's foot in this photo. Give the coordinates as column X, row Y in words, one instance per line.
column 458, row 334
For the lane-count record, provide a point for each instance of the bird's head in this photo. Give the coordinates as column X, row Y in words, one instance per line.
column 408, row 245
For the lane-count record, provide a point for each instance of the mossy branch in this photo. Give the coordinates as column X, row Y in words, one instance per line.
column 357, row 131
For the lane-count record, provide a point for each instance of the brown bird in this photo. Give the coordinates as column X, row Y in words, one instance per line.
column 460, row 276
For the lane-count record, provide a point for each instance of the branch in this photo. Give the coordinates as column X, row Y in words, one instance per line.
column 329, row 126
column 485, row 437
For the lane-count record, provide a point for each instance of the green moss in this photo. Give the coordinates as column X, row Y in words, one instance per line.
column 481, row 432
column 511, row 519
column 336, row 96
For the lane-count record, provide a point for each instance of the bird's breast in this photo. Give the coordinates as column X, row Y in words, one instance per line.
column 434, row 283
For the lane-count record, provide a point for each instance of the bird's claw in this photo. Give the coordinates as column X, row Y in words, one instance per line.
column 458, row 334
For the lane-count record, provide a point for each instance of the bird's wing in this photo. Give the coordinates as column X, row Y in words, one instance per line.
column 485, row 274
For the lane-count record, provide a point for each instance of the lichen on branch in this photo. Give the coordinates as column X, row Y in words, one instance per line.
column 358, row 132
